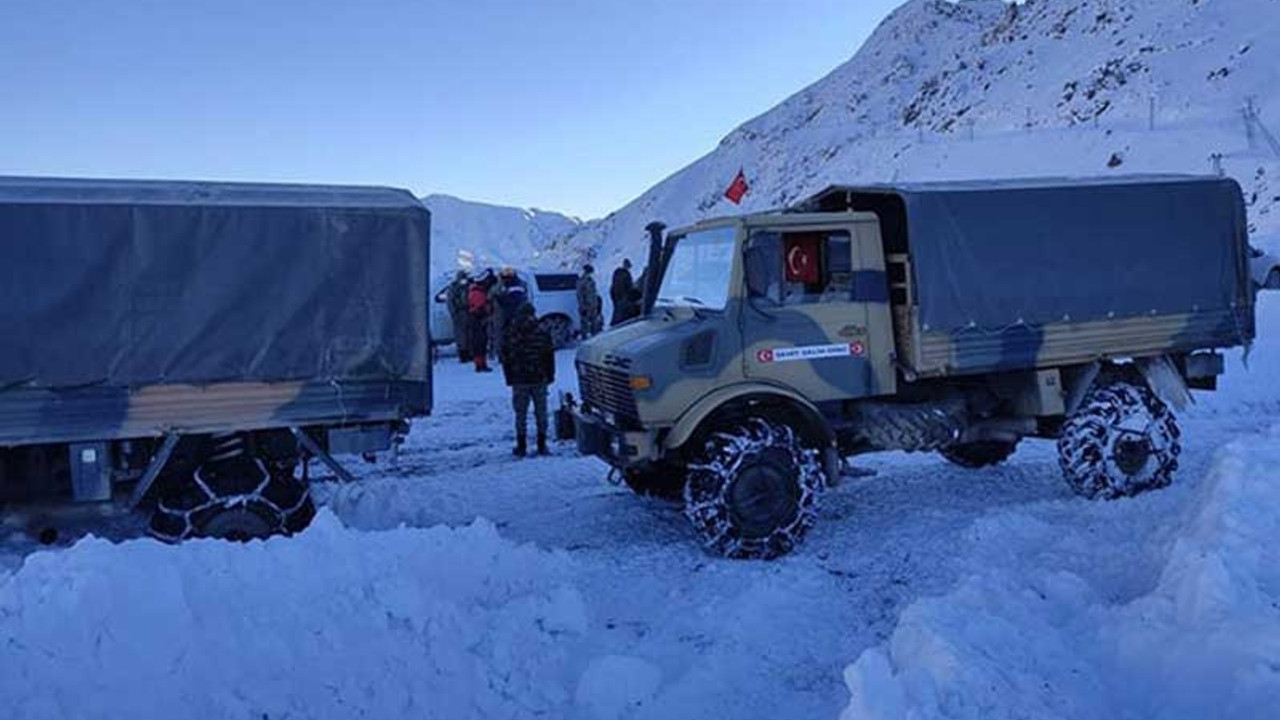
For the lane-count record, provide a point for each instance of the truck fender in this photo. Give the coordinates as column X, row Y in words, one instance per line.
column 689, row 422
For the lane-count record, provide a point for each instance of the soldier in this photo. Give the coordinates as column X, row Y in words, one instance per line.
column 623, row 293
column 479, row 311
column 529, row 365
column 457, row 299
column 589, row 306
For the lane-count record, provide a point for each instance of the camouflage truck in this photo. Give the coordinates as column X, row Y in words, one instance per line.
column 187, row 348
column 952, row 318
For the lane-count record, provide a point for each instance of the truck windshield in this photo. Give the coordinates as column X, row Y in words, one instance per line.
column 698, row 272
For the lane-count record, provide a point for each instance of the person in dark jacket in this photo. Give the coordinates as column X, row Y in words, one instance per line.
column 478, row 310
column 507, row 294
column 456, row 297
column 529, row 364
column 624, row 294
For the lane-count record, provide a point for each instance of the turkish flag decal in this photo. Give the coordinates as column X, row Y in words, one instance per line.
column 737, row 189
column 802, row 259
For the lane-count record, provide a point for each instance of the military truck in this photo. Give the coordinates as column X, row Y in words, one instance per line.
column 187, row 348
column 953, row 318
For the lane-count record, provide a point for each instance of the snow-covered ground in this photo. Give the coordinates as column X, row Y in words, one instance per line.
column 460, row 582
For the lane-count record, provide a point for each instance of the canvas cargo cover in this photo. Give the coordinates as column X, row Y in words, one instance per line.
column 990, row 255
column 130, row 283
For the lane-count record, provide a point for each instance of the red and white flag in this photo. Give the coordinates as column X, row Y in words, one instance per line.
column 737, row 188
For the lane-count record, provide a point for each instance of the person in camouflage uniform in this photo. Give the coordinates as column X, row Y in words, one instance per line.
column 457, row 300
column 529, row 365
column 590, row 308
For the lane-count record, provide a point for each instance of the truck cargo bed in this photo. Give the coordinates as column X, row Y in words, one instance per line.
column 1025, row 273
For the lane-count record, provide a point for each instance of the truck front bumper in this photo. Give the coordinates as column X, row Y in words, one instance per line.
column 620, row 448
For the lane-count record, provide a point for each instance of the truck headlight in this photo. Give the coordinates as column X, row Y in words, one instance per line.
column 641, row 382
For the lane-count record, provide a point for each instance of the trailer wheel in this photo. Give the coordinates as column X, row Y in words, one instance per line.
column 233, row 496
column 983, row 453
column 659, row 480
column 752, row 491
column 1123, row 440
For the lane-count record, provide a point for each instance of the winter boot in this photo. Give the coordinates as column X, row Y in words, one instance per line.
column 482, row 363
column 542, row 445
column 522, row 447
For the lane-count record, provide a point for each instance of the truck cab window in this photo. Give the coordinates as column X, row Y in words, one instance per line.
column 800, row 268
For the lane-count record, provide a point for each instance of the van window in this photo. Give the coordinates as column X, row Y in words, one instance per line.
column 556, row 282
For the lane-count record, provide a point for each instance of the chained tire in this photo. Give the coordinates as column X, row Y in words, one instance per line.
column 233, row 495
column 752, row 491
column 1122, row 441
column 981, row 454
column 660, row 480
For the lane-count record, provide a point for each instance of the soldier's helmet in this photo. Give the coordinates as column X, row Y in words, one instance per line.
column 588, row 269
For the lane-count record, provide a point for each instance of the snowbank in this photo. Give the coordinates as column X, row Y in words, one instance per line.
column 1013, row 643
column 335, row 623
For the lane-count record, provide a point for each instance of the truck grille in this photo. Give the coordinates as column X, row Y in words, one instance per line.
column 607, row 389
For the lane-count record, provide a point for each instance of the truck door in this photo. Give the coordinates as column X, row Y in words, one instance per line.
column 806, row 317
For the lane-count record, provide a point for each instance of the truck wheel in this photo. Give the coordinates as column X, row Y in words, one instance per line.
column 660, row 481
column 560, row 328
column 1123, row 440
column 753, row 490
column 237, row 498
column 983, row 453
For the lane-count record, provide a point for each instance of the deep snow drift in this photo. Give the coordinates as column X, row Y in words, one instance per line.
column 1044, row 643
column 336, row 623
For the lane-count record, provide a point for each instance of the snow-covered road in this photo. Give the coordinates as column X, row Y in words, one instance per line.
column 574, row 598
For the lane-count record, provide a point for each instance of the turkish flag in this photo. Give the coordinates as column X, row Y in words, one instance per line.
column 802, row 258
column 737, row 188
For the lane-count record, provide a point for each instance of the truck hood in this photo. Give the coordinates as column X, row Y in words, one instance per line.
column 650, row 339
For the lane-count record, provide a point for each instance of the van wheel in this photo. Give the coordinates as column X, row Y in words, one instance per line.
column 560, row 328
column 233, row 496
column 659, row 480
column 1123, row 440
column 752, row 491
column 983, row 453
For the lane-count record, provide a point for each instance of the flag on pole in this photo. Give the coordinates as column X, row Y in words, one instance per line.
column 737, row 188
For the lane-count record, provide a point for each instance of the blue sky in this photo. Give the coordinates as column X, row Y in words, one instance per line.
column 567, row 105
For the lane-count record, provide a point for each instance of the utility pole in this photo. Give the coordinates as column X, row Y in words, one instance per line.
column 1151, row 114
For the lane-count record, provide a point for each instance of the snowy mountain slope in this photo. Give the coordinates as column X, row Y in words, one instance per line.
column 980, row 88
column 467, row 234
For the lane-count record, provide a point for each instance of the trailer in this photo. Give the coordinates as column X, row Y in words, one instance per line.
column 187, row 348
